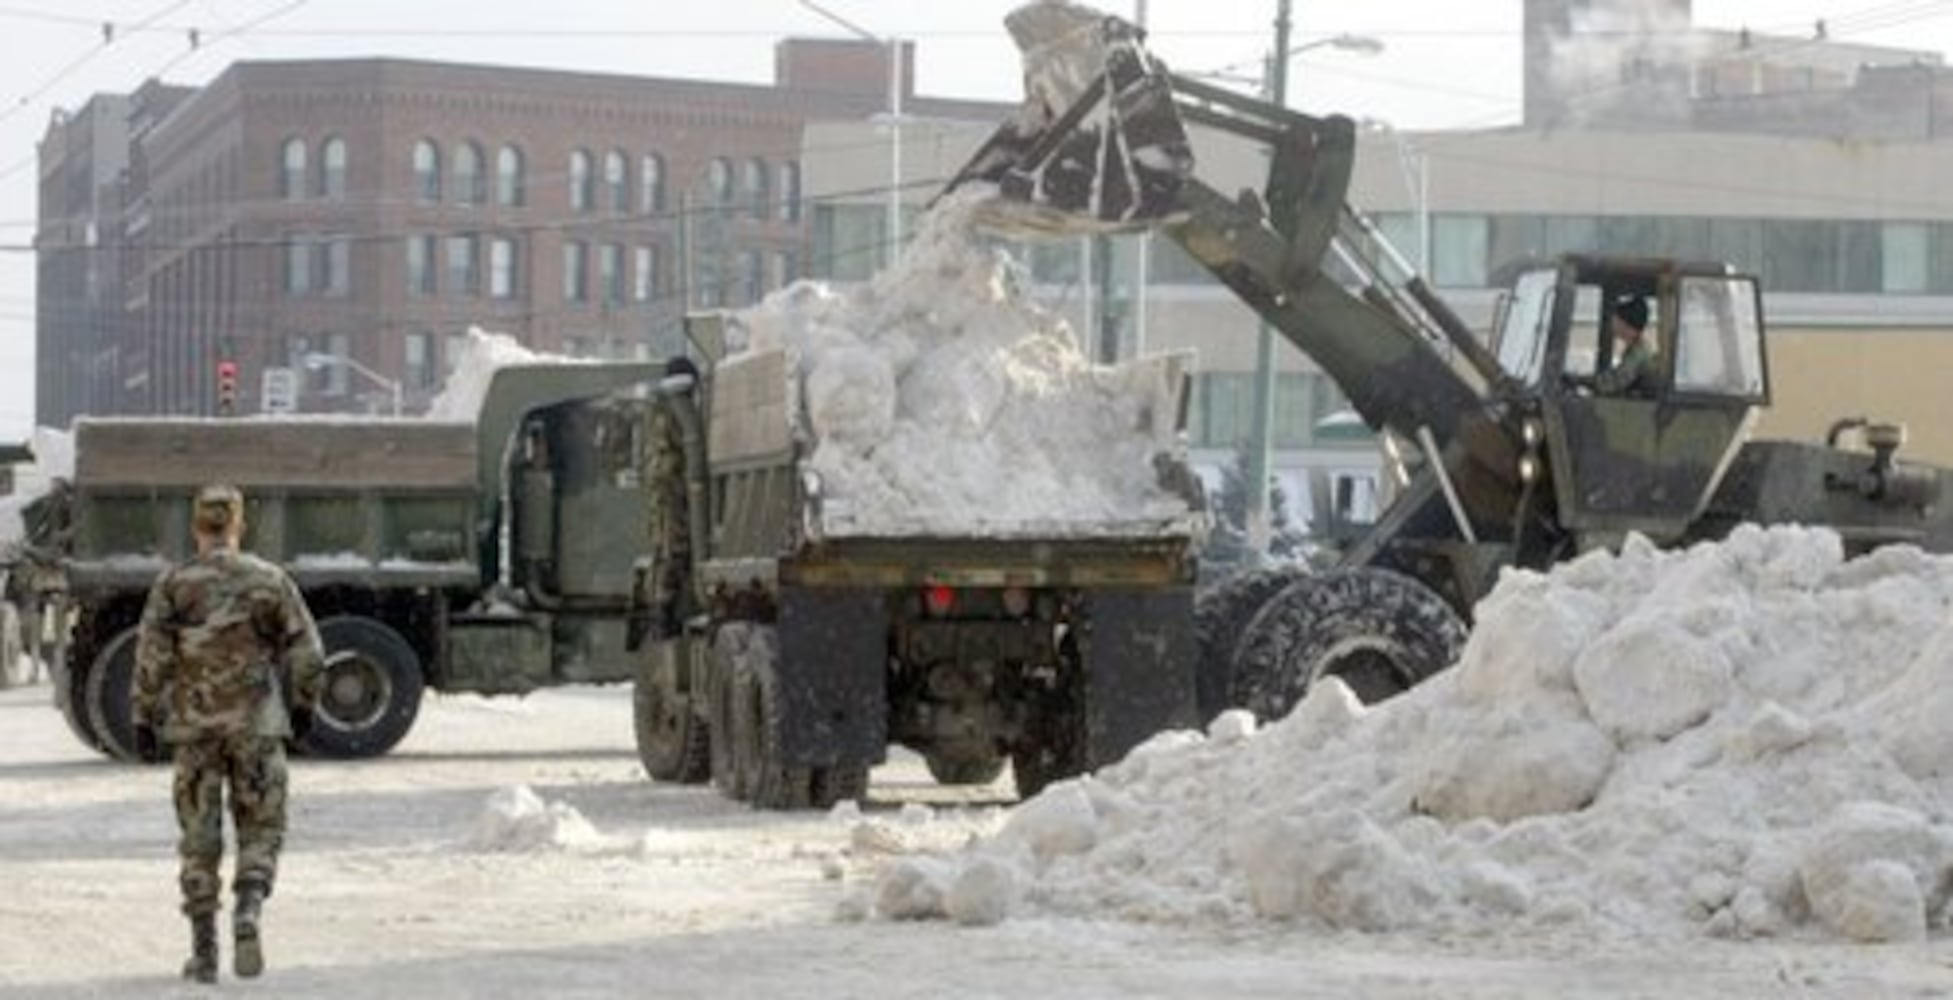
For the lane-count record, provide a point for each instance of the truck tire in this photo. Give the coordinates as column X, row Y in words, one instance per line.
column 774, row 783
column 371, row 691
column 71, row 683
column 672, row 740
column 1221, row 615
column 1380, row 631
column 722, row 695
column 1053, row 745
column 10, row 651
column 109, row 693
column 965, row 767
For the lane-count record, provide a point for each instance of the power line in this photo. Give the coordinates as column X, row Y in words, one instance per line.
column 109, row 38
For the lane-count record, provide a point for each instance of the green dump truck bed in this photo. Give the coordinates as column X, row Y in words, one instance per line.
column 369, row 502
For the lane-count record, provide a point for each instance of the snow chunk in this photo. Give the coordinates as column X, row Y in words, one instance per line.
column 517, row 819
column 1867, row 873
column 1647, row 680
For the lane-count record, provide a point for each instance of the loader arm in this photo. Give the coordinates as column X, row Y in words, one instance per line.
column 1101, row 145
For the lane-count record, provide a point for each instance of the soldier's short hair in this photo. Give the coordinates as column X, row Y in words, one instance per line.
column 218, row 506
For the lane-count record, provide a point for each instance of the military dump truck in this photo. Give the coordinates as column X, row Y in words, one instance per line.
column 494, row 556
column 1512, row 450
column 782, row 657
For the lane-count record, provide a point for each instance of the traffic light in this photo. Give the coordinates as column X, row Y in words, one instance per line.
column 226, row 388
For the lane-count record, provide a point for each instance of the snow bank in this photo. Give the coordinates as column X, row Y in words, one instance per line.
column 942, row 401
column 1742, row 739
column 517, row 819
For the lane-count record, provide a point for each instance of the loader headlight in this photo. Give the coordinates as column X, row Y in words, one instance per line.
column 810, row 484
column 1528, row 468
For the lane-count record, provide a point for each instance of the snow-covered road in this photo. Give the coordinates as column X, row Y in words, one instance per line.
column 673, row 892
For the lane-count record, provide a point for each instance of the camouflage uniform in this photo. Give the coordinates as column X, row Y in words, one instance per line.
column 224, row 635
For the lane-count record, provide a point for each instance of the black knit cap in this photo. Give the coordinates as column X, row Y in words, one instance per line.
column 1633, row 310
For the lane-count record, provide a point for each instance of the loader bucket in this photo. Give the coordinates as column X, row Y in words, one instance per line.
column 1098, row 145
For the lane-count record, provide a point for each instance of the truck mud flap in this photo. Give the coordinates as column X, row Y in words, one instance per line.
column 832, row 674
column 1138, row 650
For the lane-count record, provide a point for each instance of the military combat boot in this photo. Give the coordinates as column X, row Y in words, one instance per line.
column 202, row 963
column 249, row 958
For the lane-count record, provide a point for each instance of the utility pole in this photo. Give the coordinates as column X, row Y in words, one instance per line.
column 1260, row 528
column 1143, row 264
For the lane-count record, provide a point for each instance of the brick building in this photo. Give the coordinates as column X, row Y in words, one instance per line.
column 372, row 210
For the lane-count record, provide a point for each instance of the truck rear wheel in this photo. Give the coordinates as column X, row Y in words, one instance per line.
column 10, row 651
column 1221, row 615
column 108, row 695
column 672, row 740
column 1380, row 631
column 722, row 697
column 371, row 691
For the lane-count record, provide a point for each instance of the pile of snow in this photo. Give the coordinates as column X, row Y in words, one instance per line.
column 517, row 819
column 1743, row 739
column 477, row 358
column 941, row 400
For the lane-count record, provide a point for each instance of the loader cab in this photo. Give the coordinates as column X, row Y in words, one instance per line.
column 1643, row 454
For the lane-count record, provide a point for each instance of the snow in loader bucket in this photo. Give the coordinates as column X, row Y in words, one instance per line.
column 1098, row 145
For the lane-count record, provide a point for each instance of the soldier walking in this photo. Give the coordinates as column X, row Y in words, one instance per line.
column 228, row 666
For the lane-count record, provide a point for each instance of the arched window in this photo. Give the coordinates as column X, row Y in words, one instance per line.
column 718, row 179
column 332, row 169
column 470, row 186
column 583, row 195
column 427, row 170
column 759, row 194
column 291, row 177
column 617, row 182
column 508, row 176
column 651, row 181
column 789, row 197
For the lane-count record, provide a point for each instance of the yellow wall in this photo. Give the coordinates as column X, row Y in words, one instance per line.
column 1891, row 375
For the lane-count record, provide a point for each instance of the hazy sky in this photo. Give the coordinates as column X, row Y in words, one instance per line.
column 1445, row 63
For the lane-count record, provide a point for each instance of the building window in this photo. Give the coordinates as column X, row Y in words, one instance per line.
column 583, row 195
column 420, row 265
column 718, row 181
column 759, row 195
column 752, row 277
column 786, row 268
column 338, row 260
column 291, row 178
column 617, row 182
column 298, row 265
column 508, row 177
column 470, row 185
column 610, row 272
column 651, row 179
column 427, row 170
column 1904, row 256
column 789, row 204
column 1459, row 246
column 332, row 169
column 644, row 273
column 464, row 267
column 501, row 268
column 576, row 265
column 417, row 360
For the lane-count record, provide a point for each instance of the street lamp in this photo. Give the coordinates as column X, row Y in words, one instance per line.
column 316, row 361
column 1275, row 86
column 1416, row 168
column 894, row 119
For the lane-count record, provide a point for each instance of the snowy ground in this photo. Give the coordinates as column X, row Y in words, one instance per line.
column 679, row 893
